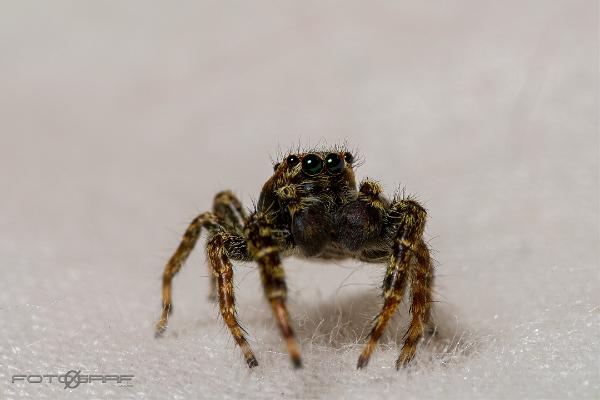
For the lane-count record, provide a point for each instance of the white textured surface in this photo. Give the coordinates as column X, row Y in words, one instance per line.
column 118, row 123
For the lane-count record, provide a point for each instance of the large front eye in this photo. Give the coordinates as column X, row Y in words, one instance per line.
column 312, row 164
column 334, row 163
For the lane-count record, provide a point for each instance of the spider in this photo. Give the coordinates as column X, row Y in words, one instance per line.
column 311, row 207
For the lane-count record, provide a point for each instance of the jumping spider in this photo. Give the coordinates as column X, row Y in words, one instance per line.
column 310, row 207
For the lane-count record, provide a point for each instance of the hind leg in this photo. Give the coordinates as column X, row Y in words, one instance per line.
column 206, row 220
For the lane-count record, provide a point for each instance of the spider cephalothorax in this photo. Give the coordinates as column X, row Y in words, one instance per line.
column 310, row 207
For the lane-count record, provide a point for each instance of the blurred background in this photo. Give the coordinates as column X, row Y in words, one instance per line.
column 120, row 121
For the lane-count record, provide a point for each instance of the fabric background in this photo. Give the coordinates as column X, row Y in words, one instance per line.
column 119, row 121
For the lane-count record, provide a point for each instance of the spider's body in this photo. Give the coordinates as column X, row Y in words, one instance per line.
column 311, row 207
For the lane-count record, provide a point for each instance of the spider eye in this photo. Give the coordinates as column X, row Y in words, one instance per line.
column 276, row 166
column 334, row 163
column 349, row 158
column 312, row 164
column 292, row 161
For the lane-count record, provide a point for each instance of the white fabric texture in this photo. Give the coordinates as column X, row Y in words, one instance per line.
column 120, row 121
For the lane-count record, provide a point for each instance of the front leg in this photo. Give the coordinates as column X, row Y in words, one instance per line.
column 263, row 247
column 409, row 260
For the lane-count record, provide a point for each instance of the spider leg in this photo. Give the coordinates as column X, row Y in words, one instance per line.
column 263, row 247
column 409, row 260
column 421, row 290
column 231, row 213
column 220, row 246
column 394, row 284
column 229, row 208
column 190, row 237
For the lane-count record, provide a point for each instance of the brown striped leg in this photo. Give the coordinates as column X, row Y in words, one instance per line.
column 393, row 289
column 231, row 214
column 263, row 248
column 206, row 220
column 221, row 265
column 421, row 288
column 408, row 217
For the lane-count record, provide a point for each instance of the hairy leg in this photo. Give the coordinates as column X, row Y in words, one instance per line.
column 263, row 248
column 231, row 214
column 421, row 291
column 207, row 220
column 218, row 247
column 393, row 290
column 408, row 218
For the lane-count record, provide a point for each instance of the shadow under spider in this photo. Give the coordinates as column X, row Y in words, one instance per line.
column 344, row 321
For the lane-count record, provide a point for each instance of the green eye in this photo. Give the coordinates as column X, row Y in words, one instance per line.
column 312, row 164
column 292, row 161
column 334, row 163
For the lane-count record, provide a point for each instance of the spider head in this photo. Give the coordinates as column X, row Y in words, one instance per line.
column 306, row 191
column 313, row 176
